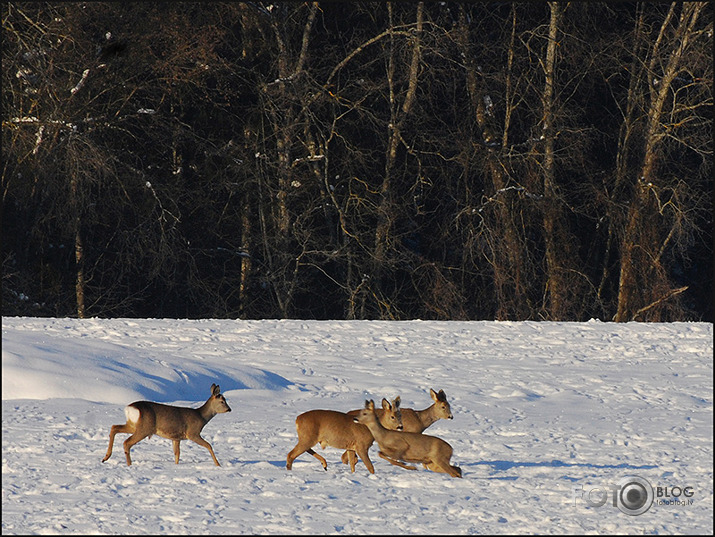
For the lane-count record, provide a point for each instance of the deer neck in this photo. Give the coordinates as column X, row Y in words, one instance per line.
column 206, row 411
column 427, row 416
column 376, row 428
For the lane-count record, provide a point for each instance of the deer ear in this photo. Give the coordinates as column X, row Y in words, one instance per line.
column 215, row 390
column 385, row 404
column 396, row 402
column 433, row 394
column 442, row 396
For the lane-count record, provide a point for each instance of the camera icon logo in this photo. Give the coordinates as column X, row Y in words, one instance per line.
column 633, row 495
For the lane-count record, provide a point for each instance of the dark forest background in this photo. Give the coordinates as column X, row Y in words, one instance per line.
column 360, row 160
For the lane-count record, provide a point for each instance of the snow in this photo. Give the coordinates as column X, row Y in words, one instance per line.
column 548, row 417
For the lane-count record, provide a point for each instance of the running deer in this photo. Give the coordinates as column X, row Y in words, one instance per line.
column 145, row 418
column 338, row 430
column 416, row 421
column 398, row 446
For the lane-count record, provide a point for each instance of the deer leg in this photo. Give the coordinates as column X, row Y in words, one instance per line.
column 396, row 462
column 129, row 442
column 365, row 458
column 436, row 467
column 293, row 454
column 200, row 441
column 345, row 457
column 321, row 459
column 176, row 450
column 352, row 459
column 126, row 428
column 446, row 468
column 300, row 449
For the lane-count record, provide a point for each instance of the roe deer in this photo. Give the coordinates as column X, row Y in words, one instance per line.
column 398, row 446
column 145, row 418
column 337, row 429
column 415, row 421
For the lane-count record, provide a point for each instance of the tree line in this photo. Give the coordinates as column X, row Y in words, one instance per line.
column 362, row 160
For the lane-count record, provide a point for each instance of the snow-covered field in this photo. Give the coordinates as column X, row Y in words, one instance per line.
column 548, row 418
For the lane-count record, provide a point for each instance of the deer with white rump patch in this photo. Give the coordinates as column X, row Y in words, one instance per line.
column 398, row 446
column 145, row 418
column 338, row 430
column 416, row 421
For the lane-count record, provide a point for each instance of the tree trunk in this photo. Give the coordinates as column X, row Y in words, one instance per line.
column 505, row 242
column 78, row 252
column 285, row 110
column 386, row 209
column 556, row 286
column 642, row 279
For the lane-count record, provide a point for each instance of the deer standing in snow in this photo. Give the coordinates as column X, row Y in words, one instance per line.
column 145, row 418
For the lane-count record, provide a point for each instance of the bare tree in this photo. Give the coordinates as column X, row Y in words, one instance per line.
column 668, row 88
column 358, row 160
